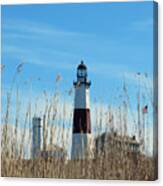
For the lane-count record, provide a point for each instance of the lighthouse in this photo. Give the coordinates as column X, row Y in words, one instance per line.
column 82, row 140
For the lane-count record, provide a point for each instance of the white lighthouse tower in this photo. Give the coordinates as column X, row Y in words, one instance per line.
column 82, row 140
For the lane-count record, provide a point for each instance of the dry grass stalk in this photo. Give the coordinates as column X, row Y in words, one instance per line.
column 113, row 163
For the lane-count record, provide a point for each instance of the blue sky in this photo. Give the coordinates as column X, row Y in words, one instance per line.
column 114, row 39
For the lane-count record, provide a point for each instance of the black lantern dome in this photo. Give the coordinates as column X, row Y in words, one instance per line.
column 82, row 70
column 82, row 66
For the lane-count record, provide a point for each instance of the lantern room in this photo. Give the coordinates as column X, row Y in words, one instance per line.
column 82, row 71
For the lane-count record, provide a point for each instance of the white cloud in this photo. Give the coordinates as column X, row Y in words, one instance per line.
column 37, row 29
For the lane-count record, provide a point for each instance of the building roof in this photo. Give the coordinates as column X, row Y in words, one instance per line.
column 114, row 136
column 53, row 151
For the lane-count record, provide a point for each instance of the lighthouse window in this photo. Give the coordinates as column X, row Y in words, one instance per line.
column 82, row 73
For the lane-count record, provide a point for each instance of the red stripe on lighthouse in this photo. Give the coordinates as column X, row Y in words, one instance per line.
column 81, row 121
